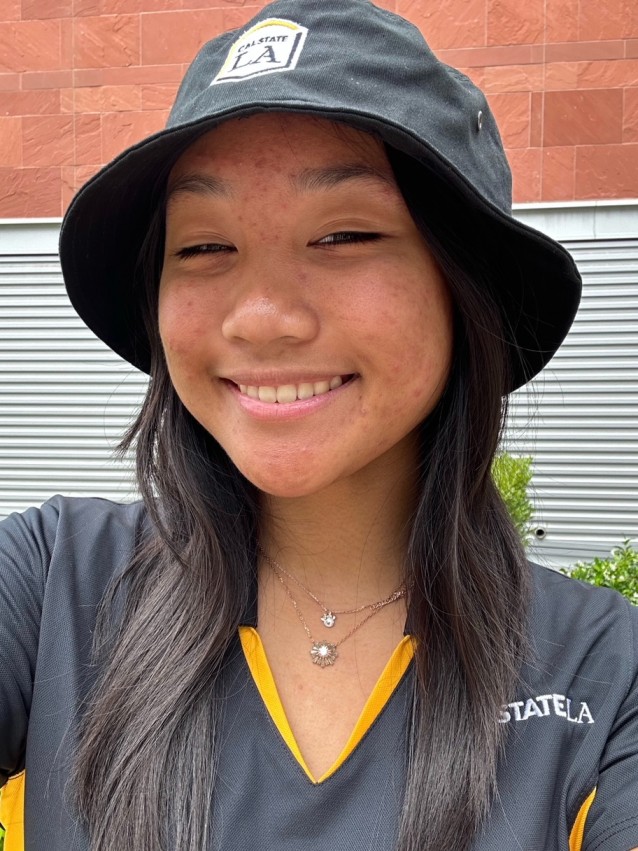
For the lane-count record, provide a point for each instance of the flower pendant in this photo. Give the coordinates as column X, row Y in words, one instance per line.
column 323, row 653
column 329, row 619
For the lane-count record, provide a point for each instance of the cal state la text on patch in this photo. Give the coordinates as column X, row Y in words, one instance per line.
column 271, row 45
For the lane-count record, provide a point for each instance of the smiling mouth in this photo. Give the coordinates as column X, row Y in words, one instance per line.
column 283, row 394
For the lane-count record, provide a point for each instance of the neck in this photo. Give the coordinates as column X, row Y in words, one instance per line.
column 348, row 542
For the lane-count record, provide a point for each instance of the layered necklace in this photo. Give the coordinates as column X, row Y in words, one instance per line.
column 324, row 653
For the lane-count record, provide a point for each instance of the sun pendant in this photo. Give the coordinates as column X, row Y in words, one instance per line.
column 329, row 619
column 324, row 654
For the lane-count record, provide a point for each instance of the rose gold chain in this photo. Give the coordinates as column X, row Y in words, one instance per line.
column 324, row 653
column 279, row 568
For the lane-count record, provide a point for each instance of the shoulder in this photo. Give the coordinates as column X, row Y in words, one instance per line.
column 586, row 641
column 573, row 725
column 73, row 534
column 55, row 563
column 584, row 632
column 569, row 607
column 83, row 512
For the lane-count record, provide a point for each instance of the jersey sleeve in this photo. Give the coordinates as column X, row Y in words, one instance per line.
column 612, row 821
column 25, row 545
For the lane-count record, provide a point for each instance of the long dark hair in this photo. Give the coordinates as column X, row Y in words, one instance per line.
column 147, row 741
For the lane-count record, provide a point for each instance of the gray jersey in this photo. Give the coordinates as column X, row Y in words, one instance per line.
column 573, row 726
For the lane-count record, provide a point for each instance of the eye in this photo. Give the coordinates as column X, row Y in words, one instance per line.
column 348, row 237
column 201, row 250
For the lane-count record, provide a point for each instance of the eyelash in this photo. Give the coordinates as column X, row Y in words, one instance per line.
column 206, row 248
column 331, row 241
column 347, row 237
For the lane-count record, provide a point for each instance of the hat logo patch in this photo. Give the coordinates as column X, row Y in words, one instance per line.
column 271, row 45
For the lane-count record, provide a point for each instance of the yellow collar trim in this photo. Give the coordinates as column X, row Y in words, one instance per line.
column 390, row 678
column 578, row 828
column 12, row 812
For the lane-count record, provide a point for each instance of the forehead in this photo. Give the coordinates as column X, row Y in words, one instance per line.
column 279, row 143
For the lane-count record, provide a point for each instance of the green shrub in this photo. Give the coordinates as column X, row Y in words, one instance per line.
column 619, row 571
column 512, row 477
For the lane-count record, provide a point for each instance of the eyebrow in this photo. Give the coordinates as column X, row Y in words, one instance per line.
column 316, row 179
column 199, row 184
column 308, row 180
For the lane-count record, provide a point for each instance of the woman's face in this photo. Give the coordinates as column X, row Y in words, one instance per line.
column 304, row 321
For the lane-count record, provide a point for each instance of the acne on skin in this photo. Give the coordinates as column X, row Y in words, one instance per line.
column 305, row 323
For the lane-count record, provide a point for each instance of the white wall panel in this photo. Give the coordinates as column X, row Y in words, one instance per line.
column 65, row 399
column 579, row 419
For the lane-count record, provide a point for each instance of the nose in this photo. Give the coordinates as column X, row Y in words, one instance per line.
column 267, row 311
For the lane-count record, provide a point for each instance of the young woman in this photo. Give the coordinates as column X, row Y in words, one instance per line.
column 318, row 629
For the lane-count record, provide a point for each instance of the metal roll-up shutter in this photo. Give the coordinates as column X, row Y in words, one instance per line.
column 579, row 419
column 65, row 399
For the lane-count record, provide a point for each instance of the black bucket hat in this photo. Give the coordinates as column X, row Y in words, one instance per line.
column 352, row 62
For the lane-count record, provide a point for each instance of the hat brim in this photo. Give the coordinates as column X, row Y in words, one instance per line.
column 106, row 224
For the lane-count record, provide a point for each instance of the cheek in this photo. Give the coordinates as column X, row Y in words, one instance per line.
column 181, row 324
column 437, row 333
column 422, row 344
column 377, row 307
column 413, row 315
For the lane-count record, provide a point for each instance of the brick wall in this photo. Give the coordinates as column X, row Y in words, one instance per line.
column 82, row 79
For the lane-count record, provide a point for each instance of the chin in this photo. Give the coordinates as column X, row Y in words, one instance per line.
column 286, row 483
column 284, row 487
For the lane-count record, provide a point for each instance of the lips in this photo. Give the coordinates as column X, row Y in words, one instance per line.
column 286, row 393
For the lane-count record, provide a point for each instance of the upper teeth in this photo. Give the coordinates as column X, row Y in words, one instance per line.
column 290, row 392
